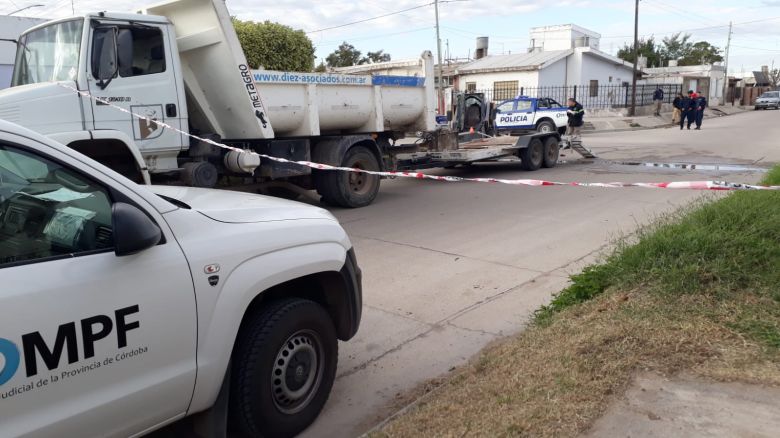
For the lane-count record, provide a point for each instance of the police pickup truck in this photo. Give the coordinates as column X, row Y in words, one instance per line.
column 124, row 308
column 523, row 114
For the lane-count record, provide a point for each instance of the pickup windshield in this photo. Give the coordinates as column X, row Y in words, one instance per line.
column 771, row 94
column 50, row 53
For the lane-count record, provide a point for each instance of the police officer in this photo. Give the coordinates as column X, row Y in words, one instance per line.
column 700, row 103
column 575, row 114
column 685, row 110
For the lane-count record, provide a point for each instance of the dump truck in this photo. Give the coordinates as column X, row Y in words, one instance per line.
column 180, row 63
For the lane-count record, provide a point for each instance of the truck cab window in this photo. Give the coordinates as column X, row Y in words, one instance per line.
column 48, row 211
column 148, row 51
column 140, row 48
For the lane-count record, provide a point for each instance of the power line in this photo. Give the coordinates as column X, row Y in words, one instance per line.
column 385, row 15
column 372, row 18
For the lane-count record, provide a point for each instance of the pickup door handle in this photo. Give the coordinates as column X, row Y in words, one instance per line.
column 170, row 110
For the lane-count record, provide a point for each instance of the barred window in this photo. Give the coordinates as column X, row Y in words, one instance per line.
column 503, row 90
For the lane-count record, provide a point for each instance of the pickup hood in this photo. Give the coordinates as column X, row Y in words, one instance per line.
column 238, row 207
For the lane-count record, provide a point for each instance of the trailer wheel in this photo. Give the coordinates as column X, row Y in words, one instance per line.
column 545, row 126
column 350, row 189
column 283, row 368
column 532, row 157
column 551, row 150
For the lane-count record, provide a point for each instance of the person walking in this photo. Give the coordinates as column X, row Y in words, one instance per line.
column 685, row 110
column 677, row 108
column 700, row 103
column 658, row 100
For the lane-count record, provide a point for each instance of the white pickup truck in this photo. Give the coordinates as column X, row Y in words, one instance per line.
column 523, row 114
column 124, row 308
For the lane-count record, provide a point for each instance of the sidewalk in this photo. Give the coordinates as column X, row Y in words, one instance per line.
column 617, row 124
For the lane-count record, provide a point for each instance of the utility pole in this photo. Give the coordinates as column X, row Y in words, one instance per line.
column 726, row 64
column 636, row 58
column 440, row 94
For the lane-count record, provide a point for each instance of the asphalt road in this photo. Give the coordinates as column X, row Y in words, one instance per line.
column 450, row 267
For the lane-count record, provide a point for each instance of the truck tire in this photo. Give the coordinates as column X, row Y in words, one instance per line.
column 545, row 126
column 551, row 151
column 350, row 189
column 532, row 157
column 283, row 368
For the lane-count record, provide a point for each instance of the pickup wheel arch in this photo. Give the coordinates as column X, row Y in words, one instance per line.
column 550, row 123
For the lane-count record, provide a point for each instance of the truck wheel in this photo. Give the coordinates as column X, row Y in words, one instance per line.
column 551, row 150
column 545, row 126
column 350, row 189
column 200, row 174
column 284, row 365
column 532, row 157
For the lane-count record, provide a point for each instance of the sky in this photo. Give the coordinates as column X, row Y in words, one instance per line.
column 755, row 38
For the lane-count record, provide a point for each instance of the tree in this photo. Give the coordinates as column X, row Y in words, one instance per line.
column 677, row 46
column 321, row 67
column 346, row 55
column 701, row 53
column 374, row 57
column 774, row 77
column 275, row 46
column 647, row 48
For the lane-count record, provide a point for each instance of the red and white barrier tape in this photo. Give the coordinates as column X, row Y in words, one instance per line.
column 691, row 185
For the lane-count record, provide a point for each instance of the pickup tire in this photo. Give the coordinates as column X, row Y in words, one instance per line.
column 551, row 152
column 532, row 157
column 545, row 126
column 283, row 368
column 351, row 189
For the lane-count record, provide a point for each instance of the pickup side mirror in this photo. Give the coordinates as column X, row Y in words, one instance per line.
column 133, row 230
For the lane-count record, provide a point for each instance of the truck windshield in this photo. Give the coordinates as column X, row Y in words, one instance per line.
column 50, row 53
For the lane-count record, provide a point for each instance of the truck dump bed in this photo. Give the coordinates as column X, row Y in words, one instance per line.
column 225, row 97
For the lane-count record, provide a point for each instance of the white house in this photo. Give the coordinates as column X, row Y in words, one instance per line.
column 10, row 29
column 704, row 79
column 561, row 56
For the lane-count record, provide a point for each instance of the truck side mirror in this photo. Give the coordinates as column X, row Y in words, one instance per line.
column 104, row 57
column 133, row 230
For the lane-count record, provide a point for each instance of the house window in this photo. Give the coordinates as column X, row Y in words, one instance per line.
column 503, row 90
column 471, row 87
column 594, row 88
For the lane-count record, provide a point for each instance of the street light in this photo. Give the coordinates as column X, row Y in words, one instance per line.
column 25, row 8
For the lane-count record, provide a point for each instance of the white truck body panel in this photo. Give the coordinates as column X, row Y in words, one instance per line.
column 214, row 67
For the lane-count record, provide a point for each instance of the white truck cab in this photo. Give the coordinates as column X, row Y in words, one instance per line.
column 124, row 308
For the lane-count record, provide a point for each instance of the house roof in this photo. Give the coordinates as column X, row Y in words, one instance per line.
column 516, row 62
column 761, row 78
column 370, row 68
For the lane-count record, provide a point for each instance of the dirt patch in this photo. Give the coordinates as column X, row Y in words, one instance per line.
column 655, row 406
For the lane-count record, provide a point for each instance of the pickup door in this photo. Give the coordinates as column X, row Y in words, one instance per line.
column 91, row 344
column 515, row 114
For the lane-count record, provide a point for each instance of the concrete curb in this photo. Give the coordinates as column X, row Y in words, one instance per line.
column 665, row 125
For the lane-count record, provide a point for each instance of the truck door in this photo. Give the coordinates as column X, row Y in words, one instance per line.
column 91, row 343
column 144, row 83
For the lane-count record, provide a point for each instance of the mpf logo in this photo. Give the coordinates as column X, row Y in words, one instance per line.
column 10, row 354
column 66, row 341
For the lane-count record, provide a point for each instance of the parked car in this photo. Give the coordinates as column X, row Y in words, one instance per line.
column 124, row 308
column 770, row 99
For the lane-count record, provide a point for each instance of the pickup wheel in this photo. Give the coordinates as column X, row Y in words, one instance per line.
column 545, row 126
column 551, row 151
column 350, row 189
column 532, row 157
column 284, row 365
